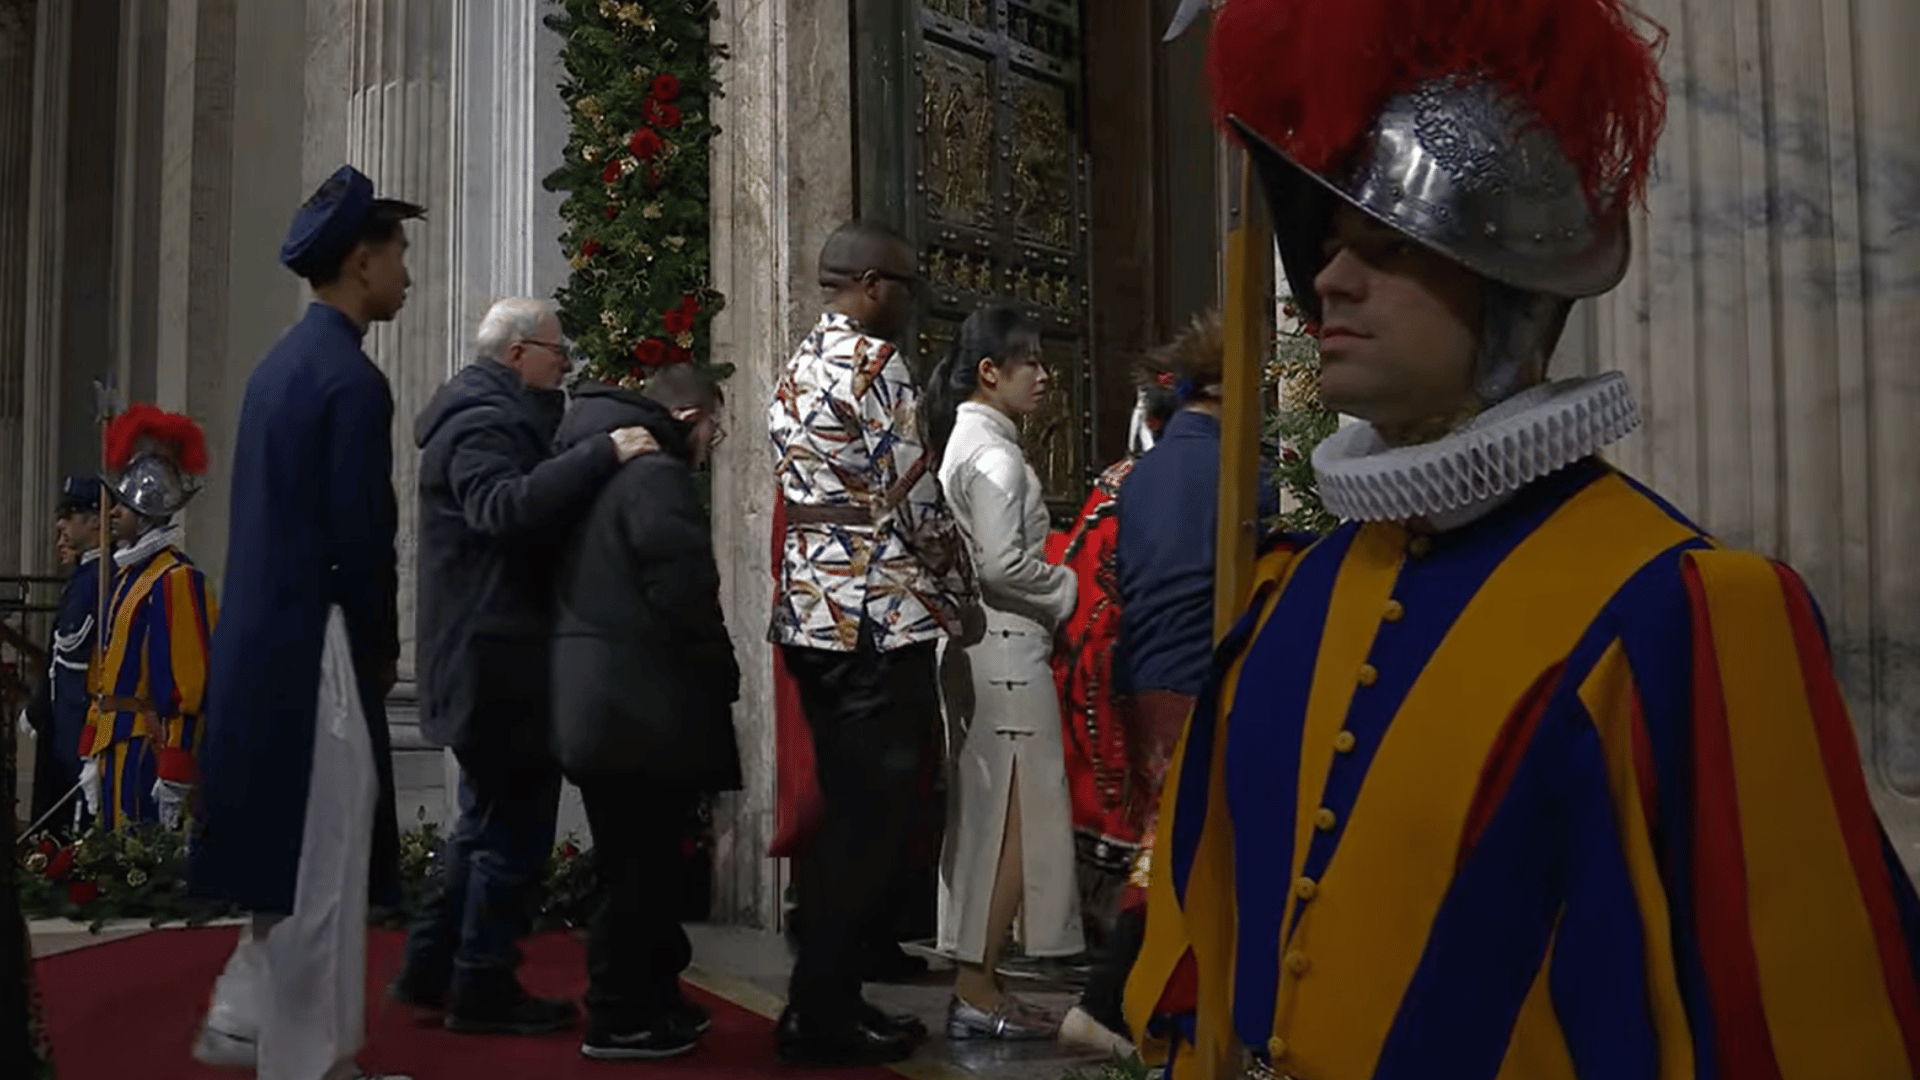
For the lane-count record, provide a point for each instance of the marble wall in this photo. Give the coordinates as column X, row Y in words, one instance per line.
column 783, row 177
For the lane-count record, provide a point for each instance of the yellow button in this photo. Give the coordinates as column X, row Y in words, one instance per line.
column 1343, row 742
column 1394, row 611
column 1419, row 546
column 1325, row 819
column 1306, row 888
column 1298, row 963
column 1368, row 676
column 1276, row 1048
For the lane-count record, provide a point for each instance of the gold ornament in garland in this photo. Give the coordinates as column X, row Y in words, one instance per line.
column 639, row 79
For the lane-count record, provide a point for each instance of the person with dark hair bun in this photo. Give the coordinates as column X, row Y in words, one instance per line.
column 1009, row 843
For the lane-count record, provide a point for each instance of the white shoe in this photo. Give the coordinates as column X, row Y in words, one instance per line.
column 223, row 1050
column 1079, row 1028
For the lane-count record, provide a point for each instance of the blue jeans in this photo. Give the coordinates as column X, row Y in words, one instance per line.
column 495, row 859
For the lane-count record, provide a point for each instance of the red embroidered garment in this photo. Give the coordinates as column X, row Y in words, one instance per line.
column 1106, row 831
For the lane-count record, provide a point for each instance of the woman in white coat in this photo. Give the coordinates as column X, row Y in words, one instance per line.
column 1009, row 845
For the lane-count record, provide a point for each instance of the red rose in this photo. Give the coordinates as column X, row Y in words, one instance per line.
column 651, row 352
column 666, row 116
column 1289, row 310
column 636, row 372
column 653, row 175
column 678, row 355
column 613, row 211
column 47, row 847
column 590, row 248
column 676, row 321
column 1289, row 455
column 1312, row 329
column 646, row 144
column 61, row 864
column 568, row 850
column 611, row 172
column 689, row 306
column 665, row 88
column 82, row 893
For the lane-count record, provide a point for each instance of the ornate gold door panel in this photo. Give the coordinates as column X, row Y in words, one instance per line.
column 976, row 150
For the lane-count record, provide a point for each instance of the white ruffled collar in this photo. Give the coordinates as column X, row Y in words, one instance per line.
column 1462, row 476
column 150, row 544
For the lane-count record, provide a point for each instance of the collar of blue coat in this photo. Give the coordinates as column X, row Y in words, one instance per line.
column 324, row 312
column 1457, row 479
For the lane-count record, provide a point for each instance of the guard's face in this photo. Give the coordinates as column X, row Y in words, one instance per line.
column 75, row 533
column 127, row 525
column 1401, row 328
column 383, row 269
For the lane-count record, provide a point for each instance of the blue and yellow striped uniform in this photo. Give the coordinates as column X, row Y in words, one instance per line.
column 145, row 717
column 1568, row 792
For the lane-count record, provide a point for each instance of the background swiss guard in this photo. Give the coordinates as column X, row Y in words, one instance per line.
column 1517, row 772
column 144, row 724
column 59, row 708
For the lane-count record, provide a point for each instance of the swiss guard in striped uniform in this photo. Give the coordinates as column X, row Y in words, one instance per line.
column 144, row 724
column 1518, row 772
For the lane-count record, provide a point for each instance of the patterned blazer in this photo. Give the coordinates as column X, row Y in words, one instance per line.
column 868, row 534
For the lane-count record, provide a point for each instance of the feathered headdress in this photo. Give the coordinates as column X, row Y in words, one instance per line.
column 147, row 430
column 1311, row 76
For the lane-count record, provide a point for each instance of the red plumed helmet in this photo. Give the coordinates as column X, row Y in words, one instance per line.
column 147, row 429
column 152, row 456
column 1509, row 135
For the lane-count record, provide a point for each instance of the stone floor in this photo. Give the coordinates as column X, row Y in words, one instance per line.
column 750, row 968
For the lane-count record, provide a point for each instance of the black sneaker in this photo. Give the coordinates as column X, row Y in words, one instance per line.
column 669, row 1036
column 515, row 1014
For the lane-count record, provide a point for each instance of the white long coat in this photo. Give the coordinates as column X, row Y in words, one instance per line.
column 1003, row 714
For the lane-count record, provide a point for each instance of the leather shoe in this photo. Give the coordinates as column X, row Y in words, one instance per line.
column 840, row 1045
column 904, row 1023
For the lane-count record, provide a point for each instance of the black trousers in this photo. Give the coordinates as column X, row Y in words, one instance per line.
column 636, row 947
column 872, row 715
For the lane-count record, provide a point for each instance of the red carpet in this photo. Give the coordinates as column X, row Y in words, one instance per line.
column 132, row 1008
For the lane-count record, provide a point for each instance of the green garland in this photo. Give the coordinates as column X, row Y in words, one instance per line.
column 640, row 85
column 1296, row 423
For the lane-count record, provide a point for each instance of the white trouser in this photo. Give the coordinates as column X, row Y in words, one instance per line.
column 297, row 985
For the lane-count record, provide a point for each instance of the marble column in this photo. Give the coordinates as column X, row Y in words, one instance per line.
column 782, row 180
column 44, row 252
column 16, row 175
column 1768, row 324
column 399, row 132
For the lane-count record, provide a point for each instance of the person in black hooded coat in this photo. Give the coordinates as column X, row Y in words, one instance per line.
column 644, row 681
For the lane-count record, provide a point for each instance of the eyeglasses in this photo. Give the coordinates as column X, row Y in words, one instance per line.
column 558, row 348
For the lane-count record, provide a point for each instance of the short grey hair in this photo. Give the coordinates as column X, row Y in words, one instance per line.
column 517, row 318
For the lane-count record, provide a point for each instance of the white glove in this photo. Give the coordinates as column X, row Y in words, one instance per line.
column 171, row 797
column 90, row 784
column 26, row 726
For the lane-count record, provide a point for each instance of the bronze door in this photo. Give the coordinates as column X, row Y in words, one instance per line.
column 996, row 197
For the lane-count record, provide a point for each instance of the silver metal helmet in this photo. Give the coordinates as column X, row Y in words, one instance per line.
column 1469, row 170
column 153, row 486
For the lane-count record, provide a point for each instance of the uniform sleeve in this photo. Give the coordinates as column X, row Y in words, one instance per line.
column 995, row 497
column 182, row 612
column 1790, row 904
column 499, row 498
column 362, row 518
column 1179, row 995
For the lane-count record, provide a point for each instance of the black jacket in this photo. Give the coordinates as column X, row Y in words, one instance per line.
column 495, row 506
column 644, row 677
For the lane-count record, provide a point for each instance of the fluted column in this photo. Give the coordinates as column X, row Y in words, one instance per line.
column 43, row 251
column 398, row 132
column 1770, row 316
column 16, row 173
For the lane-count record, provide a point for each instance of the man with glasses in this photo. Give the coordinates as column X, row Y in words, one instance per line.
column 873, row 573
column 495, row 504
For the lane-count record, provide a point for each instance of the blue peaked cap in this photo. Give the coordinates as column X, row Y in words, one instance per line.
column 79, row 492
column 324, row 229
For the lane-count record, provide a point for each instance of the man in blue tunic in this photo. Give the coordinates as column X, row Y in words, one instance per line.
column 297, row 788
column 59, row 710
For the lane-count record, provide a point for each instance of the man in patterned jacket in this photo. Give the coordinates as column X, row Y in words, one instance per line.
column 872, row 573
